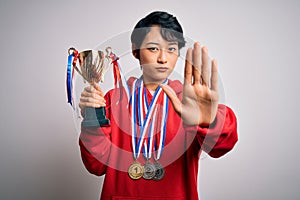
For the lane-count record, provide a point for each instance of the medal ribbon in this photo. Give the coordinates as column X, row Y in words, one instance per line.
column 163, row 129
column 133, row 119
column 148, row 147
column 144, row 123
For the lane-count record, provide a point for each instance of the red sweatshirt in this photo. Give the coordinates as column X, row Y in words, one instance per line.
column 108, row 150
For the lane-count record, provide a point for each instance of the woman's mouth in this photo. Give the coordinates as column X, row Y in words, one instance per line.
column 162, row 69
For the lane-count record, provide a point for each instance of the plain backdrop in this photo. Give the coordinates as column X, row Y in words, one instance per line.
column 256, row 44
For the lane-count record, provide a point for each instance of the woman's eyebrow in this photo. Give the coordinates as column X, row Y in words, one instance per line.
column 156, row 43
column 173, row 43
column 153, row 43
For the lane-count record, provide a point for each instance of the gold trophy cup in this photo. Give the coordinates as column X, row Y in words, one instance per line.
column 92, row 67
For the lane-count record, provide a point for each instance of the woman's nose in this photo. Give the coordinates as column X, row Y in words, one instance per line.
column 162, row 57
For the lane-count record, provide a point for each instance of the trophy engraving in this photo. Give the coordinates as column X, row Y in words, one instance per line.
column 92, row 67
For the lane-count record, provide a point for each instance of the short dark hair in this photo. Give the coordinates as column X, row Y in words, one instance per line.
column 170, row 30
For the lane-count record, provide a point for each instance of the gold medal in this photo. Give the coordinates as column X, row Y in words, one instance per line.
column 136, row 171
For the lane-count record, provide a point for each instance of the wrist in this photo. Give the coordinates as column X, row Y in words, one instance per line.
column 209, row 125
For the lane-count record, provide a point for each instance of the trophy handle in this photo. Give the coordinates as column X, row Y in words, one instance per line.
column 95, row 117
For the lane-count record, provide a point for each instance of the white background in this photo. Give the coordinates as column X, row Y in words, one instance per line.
column 256, row 44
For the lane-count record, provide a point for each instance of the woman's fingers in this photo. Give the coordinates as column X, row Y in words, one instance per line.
column 173, row 97
column 92, row 96
column 205, row 67
column 83, row 105
column 188, row 68
column 98, row 88
column 99, row 99
column 214, row 75
column 94, row 88
column 199, row 72
column 197, row 63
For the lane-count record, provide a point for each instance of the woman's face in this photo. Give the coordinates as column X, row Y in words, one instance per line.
column 157, row 56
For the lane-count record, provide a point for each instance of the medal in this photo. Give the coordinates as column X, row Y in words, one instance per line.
column 159, row 172
column 136, row 171
column 149, row 171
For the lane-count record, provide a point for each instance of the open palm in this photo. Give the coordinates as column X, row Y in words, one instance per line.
column 200, row 96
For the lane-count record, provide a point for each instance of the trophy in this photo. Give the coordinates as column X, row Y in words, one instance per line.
column 92, row 67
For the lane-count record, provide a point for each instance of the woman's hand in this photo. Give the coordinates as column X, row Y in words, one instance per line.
column 92, row 96
column 200, row 96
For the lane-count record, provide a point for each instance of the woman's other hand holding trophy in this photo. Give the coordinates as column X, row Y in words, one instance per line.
column 92, row 96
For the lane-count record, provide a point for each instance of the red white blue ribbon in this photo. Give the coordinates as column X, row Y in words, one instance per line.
column 163, row 129
column 143, row 116
column 119, row 79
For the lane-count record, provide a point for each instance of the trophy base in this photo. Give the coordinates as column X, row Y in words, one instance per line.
column 95, row 117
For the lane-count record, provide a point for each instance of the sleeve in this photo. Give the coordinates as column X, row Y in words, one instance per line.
column 95, row 145
column 221, row 136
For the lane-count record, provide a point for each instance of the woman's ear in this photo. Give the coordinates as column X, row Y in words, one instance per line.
column 134, row 51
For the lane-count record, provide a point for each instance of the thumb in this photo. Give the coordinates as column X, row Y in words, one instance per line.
column 173, row 97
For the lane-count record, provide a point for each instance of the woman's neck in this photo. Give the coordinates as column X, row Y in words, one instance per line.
column 151, row 86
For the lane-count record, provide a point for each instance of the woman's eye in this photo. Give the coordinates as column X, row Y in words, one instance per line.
column 172, row 49
column 153, row 48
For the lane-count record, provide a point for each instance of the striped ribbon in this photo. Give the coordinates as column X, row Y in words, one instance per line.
column 144, row 116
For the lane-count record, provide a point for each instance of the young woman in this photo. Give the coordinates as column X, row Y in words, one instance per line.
column 151, row 148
